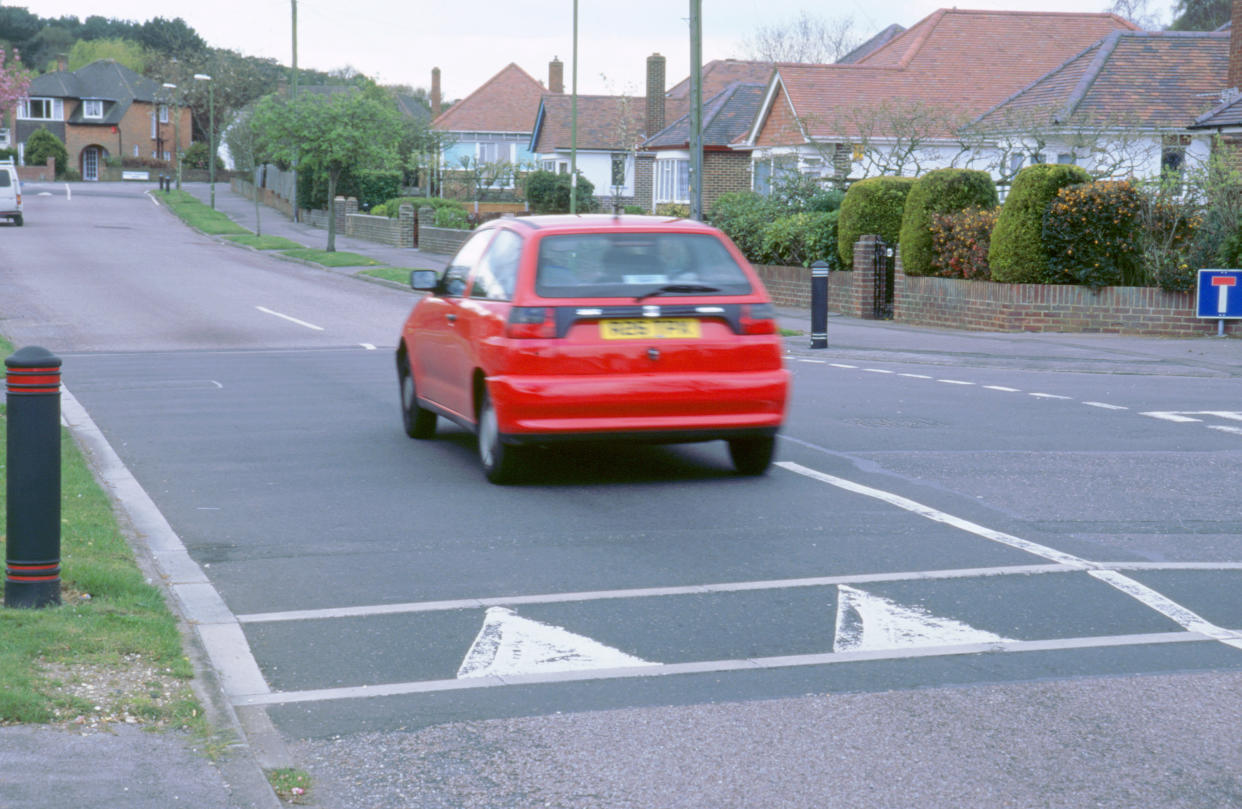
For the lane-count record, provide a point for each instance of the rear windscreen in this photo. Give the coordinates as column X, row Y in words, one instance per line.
column 633, row 265
column 5, row 182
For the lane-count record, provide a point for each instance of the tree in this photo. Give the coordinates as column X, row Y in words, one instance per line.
column 1200, row 15
column 329, row 134
column 806, row 38
column 247, row 156
column 41, row 145
column 1136, row 11
column 14, row 80
column 236, row 82
column 127, row 52
column 173, row 37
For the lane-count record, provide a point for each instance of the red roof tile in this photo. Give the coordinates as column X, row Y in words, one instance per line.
column 507, row 102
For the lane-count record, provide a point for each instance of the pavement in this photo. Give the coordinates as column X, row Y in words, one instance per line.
column 124, row 766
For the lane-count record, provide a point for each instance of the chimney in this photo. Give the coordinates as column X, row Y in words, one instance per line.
column 435, row 93
column 61, row 62
column 655, row 92
column 556, row 76
column 1235, row 47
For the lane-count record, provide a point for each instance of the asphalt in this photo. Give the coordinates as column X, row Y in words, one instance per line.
column 124, row 766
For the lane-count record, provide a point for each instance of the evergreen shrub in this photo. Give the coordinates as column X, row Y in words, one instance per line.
column 960, row 243
column 874, row 205
column 942, row 191
column 743, row 216
column 801, row 239
column 1018, row 254
column 1092, row 232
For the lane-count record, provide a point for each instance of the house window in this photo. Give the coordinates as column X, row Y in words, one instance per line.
column 40, row 109
column 163, row 113
column 1067, row 159
column 5, row 140
column 618, row 168
column 1015, row 163
column 136, row 152
column 155, row 127
column 1173, row 156
column 562, row 167
column 92, row 108
column 672, row 181
column 493, row 153
column 548, row 165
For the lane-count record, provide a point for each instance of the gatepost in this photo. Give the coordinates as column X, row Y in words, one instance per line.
column 32, row 560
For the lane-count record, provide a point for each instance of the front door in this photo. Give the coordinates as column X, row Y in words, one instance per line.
column 90, row 163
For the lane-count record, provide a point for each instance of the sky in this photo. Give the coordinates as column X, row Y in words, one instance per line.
column 399, row 42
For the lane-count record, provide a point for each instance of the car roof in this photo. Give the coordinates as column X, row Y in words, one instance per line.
column 583, row 223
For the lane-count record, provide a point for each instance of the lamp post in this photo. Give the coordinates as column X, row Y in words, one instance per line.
column 211, row 132
column 176, row 131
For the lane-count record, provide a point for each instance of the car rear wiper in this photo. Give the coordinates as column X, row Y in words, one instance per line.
column 674, row 289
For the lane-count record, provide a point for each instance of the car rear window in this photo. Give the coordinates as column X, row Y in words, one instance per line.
column 4, row 179
column 634, row 265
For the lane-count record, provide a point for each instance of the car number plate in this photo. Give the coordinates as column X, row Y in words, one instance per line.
column 648, row 328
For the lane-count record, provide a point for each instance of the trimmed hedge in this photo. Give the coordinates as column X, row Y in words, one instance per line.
column 874, row 205
column 1093, row 235
column 802, row 239
column 942, row 191
column 1018, row 254
column 743, row 216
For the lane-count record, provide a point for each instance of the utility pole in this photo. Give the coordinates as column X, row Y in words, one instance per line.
column 573, row 124
column 696, row 109
column 293, row 95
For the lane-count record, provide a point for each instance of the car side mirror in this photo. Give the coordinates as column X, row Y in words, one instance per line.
column 424, row 280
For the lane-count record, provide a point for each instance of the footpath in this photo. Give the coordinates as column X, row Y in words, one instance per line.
column 128, row 768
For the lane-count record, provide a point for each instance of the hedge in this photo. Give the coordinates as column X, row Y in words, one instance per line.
column 1018, row 254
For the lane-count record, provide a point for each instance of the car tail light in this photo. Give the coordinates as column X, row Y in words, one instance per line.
column 531, row 321
column 758, row 318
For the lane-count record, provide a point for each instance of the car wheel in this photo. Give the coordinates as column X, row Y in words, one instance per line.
column 752, row 456
column 418, row 422
column 17, row 220
column 499, row 461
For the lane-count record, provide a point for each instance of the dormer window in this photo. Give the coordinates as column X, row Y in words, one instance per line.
column 92, row 108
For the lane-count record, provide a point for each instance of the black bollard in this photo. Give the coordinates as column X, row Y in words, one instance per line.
column 819, row 304
column 32, row 560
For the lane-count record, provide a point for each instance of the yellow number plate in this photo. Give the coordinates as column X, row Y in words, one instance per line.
column 648, row 328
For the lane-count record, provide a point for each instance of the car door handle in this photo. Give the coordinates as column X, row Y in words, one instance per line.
column 451, row 318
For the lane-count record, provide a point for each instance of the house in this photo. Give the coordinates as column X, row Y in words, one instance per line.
column 726, row 117
column 492, row 125
column 1135, row 104
column 609, row 130
column 901, row 107
column 104, row 110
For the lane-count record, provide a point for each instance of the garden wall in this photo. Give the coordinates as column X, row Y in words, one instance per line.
column 990, row 306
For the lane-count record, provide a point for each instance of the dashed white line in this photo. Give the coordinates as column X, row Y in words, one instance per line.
column 289, row 318
column 1169, row 416
column 1105, row 406
column 916, row 376
column 1050, row 396
column 877, row 371
column 1002, row 388
column 954, row 382
column 367, row 346
column 1224, row 428
column 841, row 365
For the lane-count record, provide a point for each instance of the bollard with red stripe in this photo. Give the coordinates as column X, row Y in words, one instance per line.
column 32, row 557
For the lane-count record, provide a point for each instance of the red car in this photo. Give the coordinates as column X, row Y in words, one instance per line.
column 551, row 328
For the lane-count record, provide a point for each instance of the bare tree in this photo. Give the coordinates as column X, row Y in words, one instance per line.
column 806, row 38
column 1137, row 12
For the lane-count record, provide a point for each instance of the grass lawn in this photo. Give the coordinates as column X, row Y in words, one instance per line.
column 112, row 651
column 334, row 259
column 197, row 215
column 265, row 242
column 396, row 274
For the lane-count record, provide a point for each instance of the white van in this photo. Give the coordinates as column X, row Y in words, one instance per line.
column 10, row 192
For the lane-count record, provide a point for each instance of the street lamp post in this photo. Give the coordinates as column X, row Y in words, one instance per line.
column 176, row 131
column 211, row 132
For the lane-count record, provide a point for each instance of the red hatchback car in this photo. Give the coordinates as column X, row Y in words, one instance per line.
column 599, row 328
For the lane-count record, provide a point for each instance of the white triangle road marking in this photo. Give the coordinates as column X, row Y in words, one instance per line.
column 509, row 644
column 867, row 622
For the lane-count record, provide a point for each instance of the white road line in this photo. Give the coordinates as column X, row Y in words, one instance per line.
column 644, row 592
column 267, row 311
column 1184, row 617
column 841, row 365
column 1169, row 415
column 367, row 346
column 1224, row 428
column 1232, row 415
column 1050, row 396
column 954, row 382
column 877, row 371
column 713, row 666
column 915, row 376
column 1105, row 406
column 814, row 362
column 1002, row 389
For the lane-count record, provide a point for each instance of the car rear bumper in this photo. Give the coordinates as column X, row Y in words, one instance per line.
column 644, row 407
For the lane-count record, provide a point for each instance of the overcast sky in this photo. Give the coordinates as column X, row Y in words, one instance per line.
column 399, row 42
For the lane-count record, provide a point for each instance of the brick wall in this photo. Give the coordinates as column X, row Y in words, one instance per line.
column 954, row 303
column 781, row 128
column 134, row 130
column 724, row 172
column 38, row 174
column 444, row 241
column 644, row 178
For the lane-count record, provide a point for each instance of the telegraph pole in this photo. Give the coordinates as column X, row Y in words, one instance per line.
column 293, row 95
column 573, row 124
column 696, row 109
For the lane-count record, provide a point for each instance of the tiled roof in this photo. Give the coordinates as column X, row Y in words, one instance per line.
column 604, row 123
column 725, row 117
column 507, row 102
column 954, row 63
column 1132, row 78
column 107, row 80
column 875, row 43
column 1227, row 114
column 717, row 75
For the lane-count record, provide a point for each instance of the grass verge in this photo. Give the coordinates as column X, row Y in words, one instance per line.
column 333, row 259
column 197, row 215
column 394, row 274
column 111, row 652
column 265, row 242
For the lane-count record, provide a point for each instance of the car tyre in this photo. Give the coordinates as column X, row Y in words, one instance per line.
column 418, row 421
column 752, row 456
column 17, row 220
column 499, row 461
